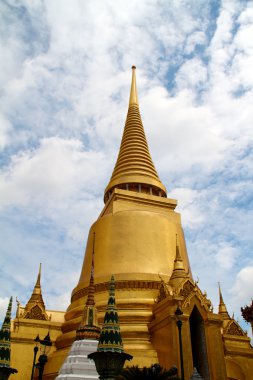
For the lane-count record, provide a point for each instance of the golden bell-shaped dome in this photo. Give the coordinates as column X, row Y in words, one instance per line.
column 134, row 169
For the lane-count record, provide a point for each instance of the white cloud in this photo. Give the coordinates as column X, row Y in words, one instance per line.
column 195, row 40
column 5, row 129
column 226, row 256
column 192, row 75
column 188, row 206
column 179, row 129
column 242, row 289
column 22, row 35
column 55, row 171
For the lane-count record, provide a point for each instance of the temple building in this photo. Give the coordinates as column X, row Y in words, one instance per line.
column 140, row 240
column 31, row 320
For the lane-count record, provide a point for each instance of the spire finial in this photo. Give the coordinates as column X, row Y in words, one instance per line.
column 220, row 294
column 133, row 93
column 37, row 285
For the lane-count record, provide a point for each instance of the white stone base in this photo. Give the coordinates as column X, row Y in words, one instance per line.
column 76, row 364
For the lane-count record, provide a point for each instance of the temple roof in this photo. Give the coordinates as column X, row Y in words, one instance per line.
column 134, row 164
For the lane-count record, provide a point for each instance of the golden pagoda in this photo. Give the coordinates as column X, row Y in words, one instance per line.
column 135, row 239
column 139, row 239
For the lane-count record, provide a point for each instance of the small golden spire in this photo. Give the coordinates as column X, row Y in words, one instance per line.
column 222, row 307
column 90, row 298
column 88, row 328
column 179, row 273
column 133, row 99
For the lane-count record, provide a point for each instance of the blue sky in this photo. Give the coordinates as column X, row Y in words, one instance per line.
column 65, row 77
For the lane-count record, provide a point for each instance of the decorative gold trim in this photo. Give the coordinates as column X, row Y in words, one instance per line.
column 120, row 285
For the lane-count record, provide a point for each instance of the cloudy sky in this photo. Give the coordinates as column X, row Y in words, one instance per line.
column 65, row 73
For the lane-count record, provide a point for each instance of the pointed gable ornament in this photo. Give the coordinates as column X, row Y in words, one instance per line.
column 35, row 307
column 234, row 329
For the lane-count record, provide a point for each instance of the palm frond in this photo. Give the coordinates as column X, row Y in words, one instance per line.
column 154, row 372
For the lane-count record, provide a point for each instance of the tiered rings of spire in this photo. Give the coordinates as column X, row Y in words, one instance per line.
column 134, row 169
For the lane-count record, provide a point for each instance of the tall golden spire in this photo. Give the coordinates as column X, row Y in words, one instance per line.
column 134, row 169
column 222, row 307
column 35, row 307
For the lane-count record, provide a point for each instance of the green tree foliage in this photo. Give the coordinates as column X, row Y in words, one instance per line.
column 155, row 372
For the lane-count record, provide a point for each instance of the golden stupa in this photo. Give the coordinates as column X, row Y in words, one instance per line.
column 139, row 239
column 135, row 240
